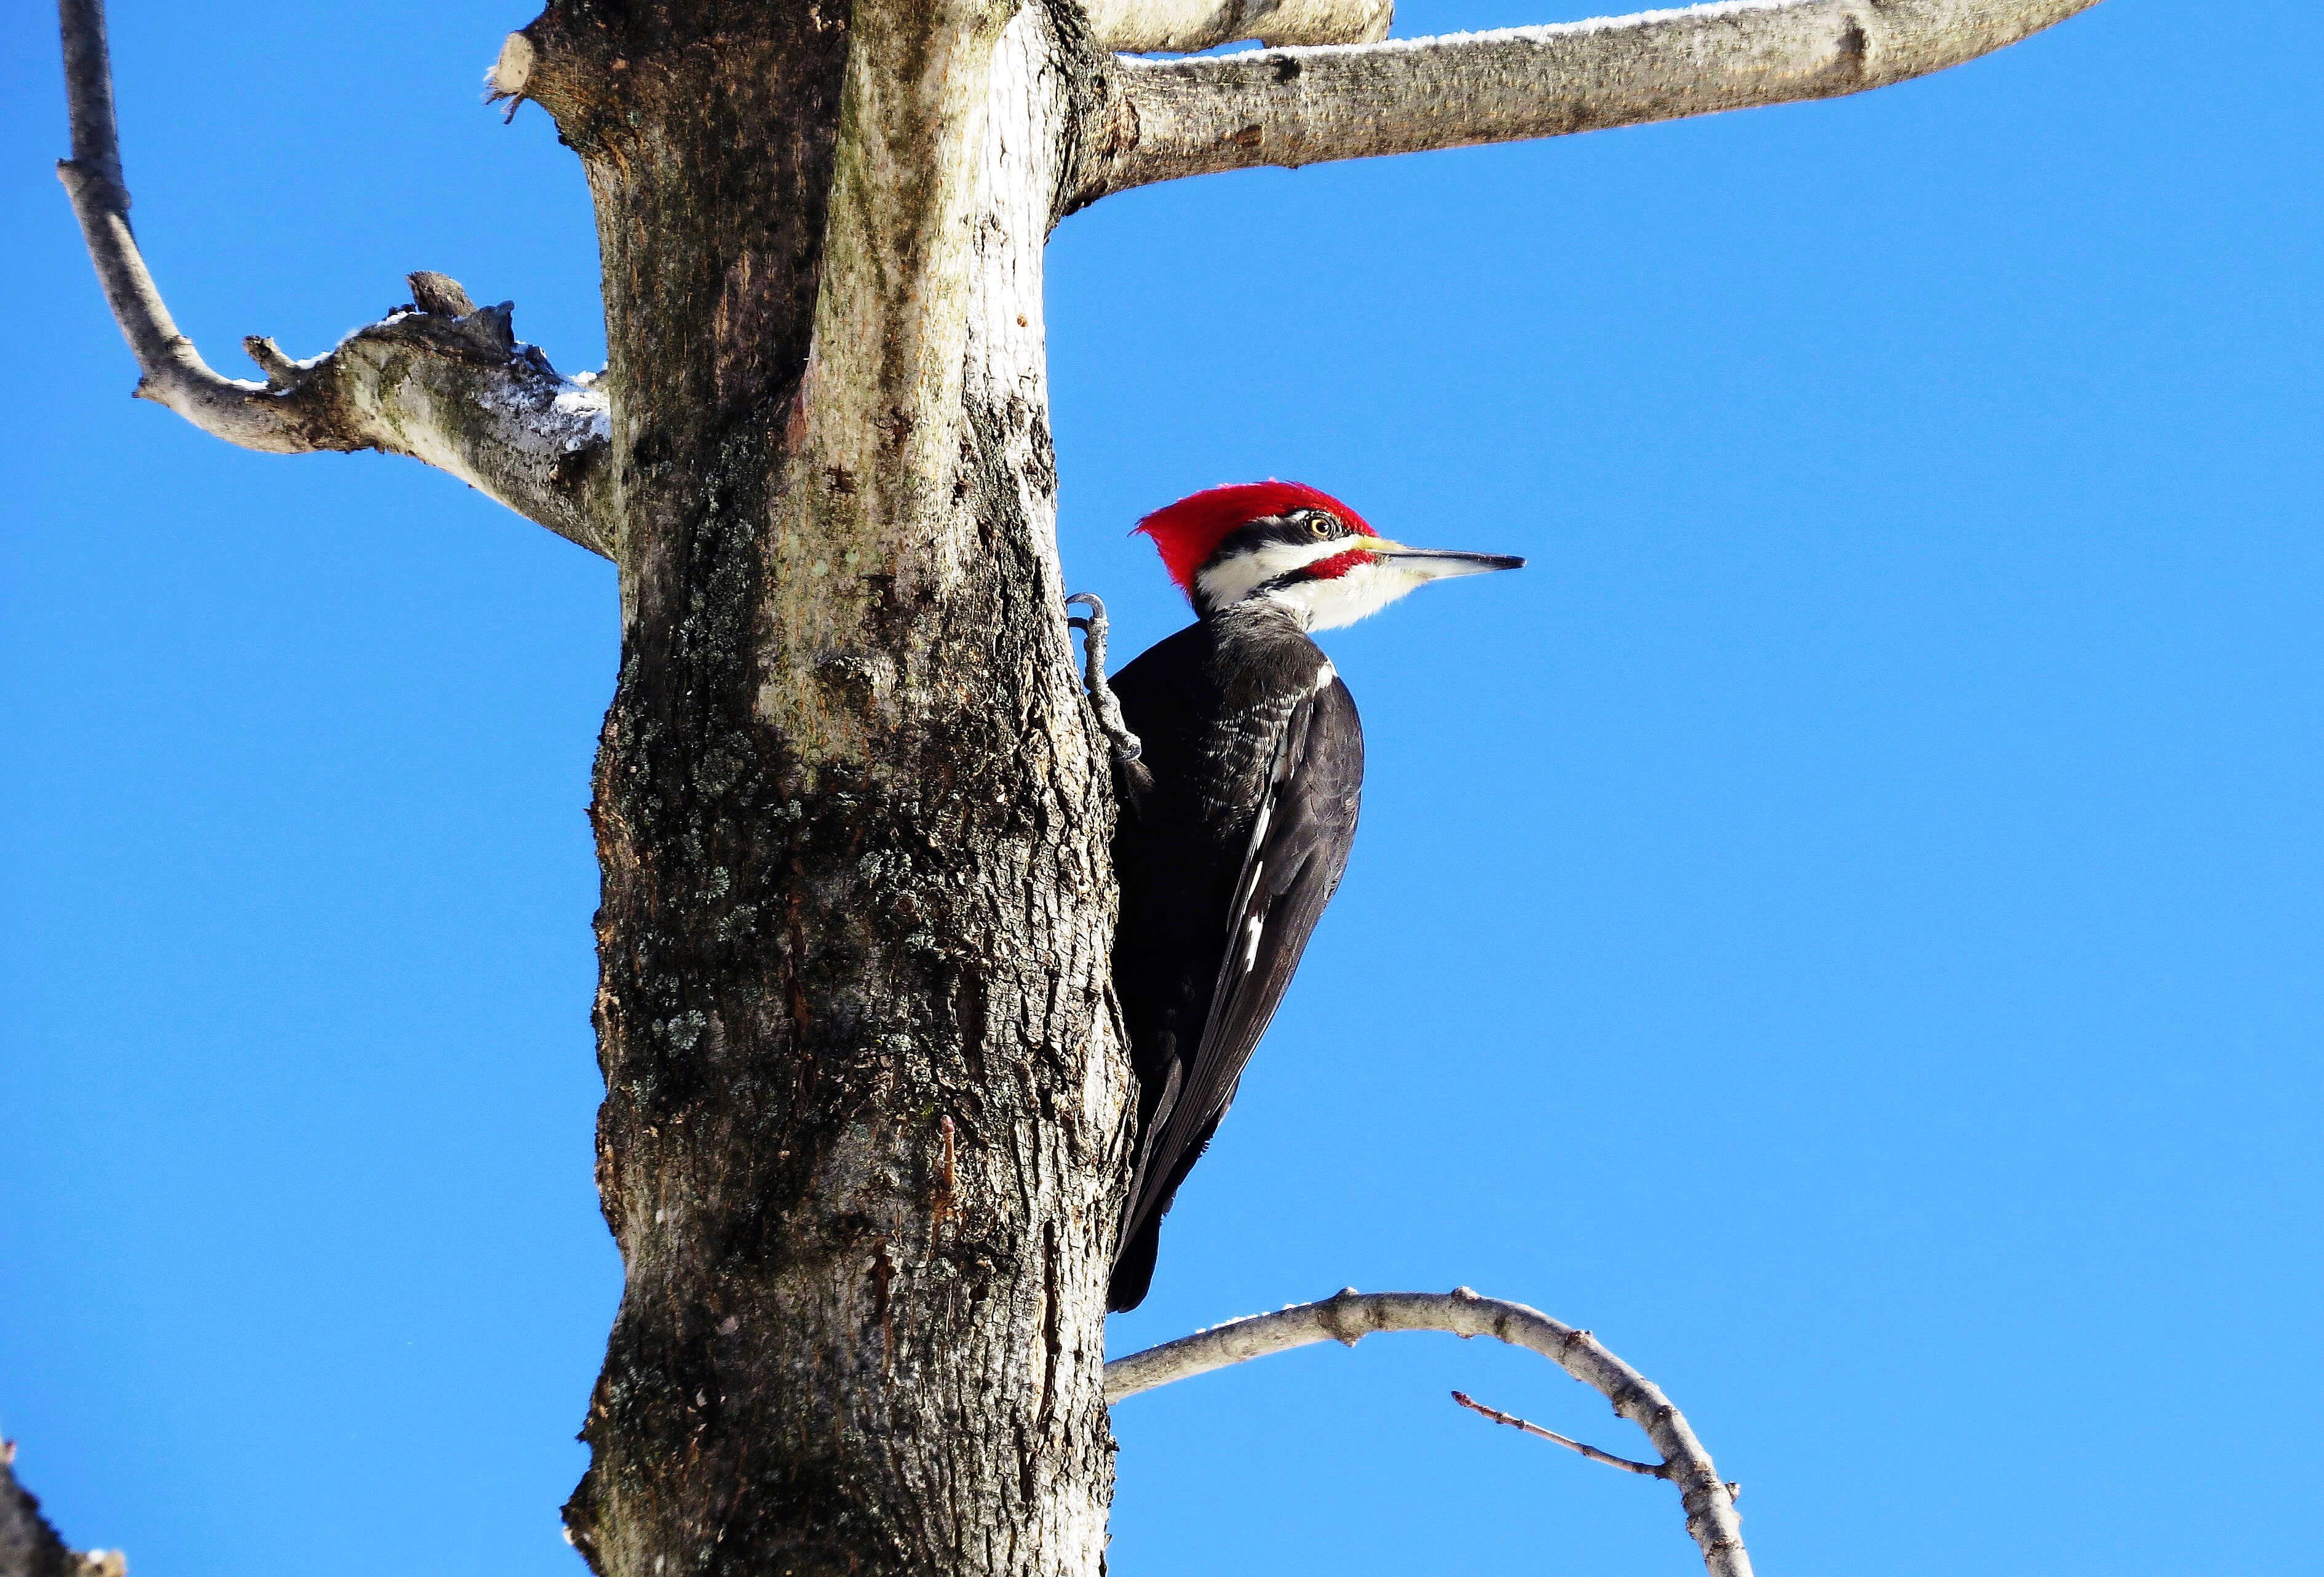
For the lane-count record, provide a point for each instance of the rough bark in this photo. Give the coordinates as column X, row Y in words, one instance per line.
column 865, row 1103
column 30, row 1547
column 1165, row 119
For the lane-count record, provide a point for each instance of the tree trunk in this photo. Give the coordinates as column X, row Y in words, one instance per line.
column 865, row 1122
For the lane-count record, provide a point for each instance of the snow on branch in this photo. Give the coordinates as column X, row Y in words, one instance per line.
column 1165, row 119
column 442, row 380
column 1178, row 26
column 1708, row 1501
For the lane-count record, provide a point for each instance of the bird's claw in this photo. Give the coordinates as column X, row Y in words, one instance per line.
column 1126, row 745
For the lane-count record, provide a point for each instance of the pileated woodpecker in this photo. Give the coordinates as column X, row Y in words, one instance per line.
column 1239, row 759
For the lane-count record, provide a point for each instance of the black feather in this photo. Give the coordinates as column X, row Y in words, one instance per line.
column 1256, row 762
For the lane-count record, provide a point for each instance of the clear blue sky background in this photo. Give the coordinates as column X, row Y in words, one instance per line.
column 1844, row 925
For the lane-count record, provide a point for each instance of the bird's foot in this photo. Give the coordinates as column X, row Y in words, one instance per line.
column 1125, row 746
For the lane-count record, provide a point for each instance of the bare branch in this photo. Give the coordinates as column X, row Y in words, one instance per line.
column 1171, row 118
column 453, row 388
column 1650, row 1469
column 1711, row 1516
column 30, row 1547
column 1138, row 25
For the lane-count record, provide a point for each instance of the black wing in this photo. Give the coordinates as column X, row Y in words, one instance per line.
column 1298, row 849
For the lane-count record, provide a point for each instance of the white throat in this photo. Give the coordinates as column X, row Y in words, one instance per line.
column 1319, row 605
column 1363, row 591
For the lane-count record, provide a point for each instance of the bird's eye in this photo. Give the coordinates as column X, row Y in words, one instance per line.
column 1320, row 526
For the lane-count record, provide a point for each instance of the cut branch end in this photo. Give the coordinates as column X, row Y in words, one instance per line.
column 507, row 75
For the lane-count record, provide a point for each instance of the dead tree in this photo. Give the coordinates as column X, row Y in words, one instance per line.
column 864, row 1139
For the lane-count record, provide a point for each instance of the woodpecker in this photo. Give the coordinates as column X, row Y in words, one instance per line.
column 1239, row 761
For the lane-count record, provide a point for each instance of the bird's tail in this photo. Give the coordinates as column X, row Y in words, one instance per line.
column 1151, row 1197
column 1133, row 1266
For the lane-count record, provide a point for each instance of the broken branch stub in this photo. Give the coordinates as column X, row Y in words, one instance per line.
column 509, row 73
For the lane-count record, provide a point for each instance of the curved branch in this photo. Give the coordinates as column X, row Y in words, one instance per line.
column 443, row 380
column 1710, row 1502
column 1171, row 118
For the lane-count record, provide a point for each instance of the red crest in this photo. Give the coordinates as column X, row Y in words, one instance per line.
column 1191, row 530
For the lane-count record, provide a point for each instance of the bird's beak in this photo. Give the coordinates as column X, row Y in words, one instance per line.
column 1441, row 564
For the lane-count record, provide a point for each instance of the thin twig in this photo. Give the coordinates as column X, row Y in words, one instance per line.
column 1651, row 1470
column 1710, row 1503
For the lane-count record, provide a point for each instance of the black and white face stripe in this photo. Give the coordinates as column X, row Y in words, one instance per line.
column 1271, row 555
column 1298, row 528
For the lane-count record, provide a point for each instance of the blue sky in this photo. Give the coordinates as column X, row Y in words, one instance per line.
column 1844, row 924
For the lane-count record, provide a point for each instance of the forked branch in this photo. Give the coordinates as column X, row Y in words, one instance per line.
column 1709, row 1501
column 1165, row 119
column 443, row 380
